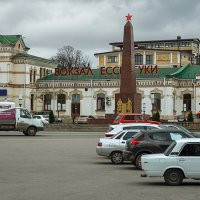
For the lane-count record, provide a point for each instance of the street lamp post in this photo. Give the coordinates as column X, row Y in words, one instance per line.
column 20, row 100
column 58, row 108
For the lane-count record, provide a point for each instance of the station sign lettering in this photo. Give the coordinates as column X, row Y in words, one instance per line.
column 102, row 70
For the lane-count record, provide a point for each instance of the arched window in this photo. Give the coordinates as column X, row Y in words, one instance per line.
column 138, row 59
column 31, row 75
column 34, row 76
column 186, row 102
column 47, row 102
column 61, row 102
column 100, row 101
column 156, row 101
column 32, row 102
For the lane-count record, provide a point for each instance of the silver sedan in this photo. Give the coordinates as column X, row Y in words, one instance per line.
column 113, row 147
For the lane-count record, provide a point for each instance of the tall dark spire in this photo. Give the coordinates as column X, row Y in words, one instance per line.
column 128, row 100
column 128, row 77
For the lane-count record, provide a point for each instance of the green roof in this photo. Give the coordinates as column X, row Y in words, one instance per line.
column 34, row 58
column 185, row 72
column 11, row 40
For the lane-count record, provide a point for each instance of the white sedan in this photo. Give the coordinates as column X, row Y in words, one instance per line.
column 43, row 119
column 180, row 160
column 113, row 147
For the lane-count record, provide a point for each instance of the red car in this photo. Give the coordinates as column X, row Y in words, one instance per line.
column 132, row 118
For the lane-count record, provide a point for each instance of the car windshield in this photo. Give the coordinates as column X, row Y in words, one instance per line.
column 118, row 118
column 110, row 129
column 170, row 148
column 184, row 129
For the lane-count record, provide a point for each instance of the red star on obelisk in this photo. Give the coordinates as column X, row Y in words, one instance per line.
column 128, row 17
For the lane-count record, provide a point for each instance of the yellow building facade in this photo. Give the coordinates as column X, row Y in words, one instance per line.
column 161, row 58
column 163, row 53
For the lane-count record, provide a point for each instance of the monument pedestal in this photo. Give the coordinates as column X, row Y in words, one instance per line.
column 127, row 103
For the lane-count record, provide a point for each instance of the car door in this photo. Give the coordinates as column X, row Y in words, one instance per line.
column 23, row 120
column 189, row 160
column 115, row 142
column 161, row 140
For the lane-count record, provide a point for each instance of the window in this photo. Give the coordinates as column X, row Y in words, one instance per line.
column 112, row 59
column 118, row 136
column 75, row 98
column 159, row 136
column 161, row 45
column 186, row 102
column 25, row 114
column 176, row 136
column 190, row 150
column 100, row 101
column 129, row 135
column 31, row 75
column 34, row 76
column 61, row 102
column 156, row 102
column 44, row 72
column 47, row 102
column 138, row 59
column 40, row 72
column 32, row 101
column 149, row 59
column 129, row 117
column 156, row 45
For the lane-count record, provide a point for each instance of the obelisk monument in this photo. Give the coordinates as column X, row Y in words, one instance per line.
column 128, row 100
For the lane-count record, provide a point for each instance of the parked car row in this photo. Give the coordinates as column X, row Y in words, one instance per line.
column 132, row 142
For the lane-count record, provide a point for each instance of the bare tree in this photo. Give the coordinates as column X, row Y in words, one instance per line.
column 67, row 56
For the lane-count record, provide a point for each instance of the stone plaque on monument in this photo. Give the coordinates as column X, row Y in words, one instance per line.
column 128, row 100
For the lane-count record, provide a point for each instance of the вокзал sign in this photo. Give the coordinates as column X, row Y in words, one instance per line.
column 102, row 70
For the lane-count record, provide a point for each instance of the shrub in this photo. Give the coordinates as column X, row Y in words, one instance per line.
column 51, row 117
column 190, row 117
column 156, row 116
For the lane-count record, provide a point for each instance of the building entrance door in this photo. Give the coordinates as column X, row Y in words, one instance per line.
column 75, row 106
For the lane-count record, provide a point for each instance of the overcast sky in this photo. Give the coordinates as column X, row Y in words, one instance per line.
column 90, row 25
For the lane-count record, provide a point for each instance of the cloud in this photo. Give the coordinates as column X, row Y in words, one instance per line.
column 91, row 25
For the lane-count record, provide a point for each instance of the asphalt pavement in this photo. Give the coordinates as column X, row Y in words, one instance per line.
column 60, row 165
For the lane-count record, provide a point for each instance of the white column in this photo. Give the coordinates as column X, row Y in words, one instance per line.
column 154, row 58
column 171, row 60
column 104, row 60
column 178, row 58
column 144, row 58
column 119, row 60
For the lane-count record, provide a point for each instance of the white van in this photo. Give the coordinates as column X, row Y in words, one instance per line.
column 18, row 119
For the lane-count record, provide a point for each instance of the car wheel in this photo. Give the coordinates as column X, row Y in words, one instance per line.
column 173, row 177
column 117, row 157
column 31, row 131
column 138, row 160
